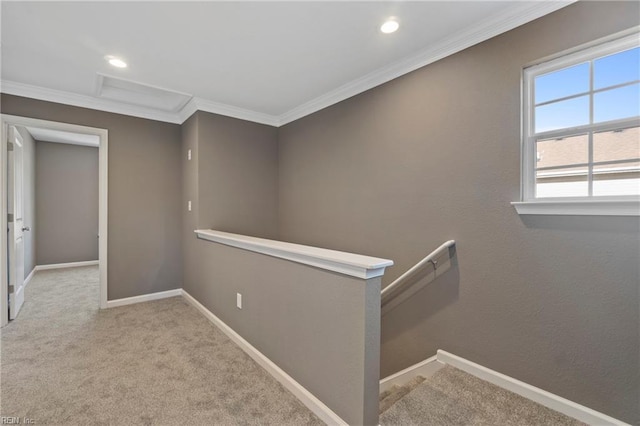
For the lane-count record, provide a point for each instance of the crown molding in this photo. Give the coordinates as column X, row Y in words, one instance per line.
column 519, row 15
column 194, row 104
column 508, row 20
column 188, row 110
column 74, row 99
column 236, row 112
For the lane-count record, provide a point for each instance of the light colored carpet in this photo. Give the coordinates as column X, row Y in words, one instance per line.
column 66, row 362
column 453, row 397
column 393, row 395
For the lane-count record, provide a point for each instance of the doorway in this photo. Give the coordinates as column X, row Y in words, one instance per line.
column 12, row 244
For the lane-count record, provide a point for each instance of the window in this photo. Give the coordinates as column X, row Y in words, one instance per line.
column 581, row 131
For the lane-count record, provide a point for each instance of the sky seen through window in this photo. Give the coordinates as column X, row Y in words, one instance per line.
column 611, row 103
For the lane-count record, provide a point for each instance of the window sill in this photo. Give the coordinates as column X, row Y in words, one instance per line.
column 580, row 208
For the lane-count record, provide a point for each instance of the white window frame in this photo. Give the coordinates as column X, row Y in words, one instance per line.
column 590, row 205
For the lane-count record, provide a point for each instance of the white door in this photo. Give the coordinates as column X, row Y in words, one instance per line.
column 15, row 223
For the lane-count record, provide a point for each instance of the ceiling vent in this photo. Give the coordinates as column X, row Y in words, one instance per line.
column 131, row 92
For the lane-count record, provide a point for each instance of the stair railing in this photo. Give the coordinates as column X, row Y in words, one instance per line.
column 403, row 279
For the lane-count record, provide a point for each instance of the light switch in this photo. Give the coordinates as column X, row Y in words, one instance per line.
column 189, row 205
column 239, row 300
column 189, row 155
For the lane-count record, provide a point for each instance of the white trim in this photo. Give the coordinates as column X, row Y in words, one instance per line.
column 529, row 137
column 102, row 104
column 307, row 398
column 54, row 136
column 136, row 87
column 355, row 265
column 188, row 110
column 611, row 37
column 84, row 101
column 426, row 369
column 103, row 198
column 579, row 208
column 103, row 215
column 29, row 277
column 235, row 112
column 507, row 20
column 66, row 265
column 601, row 48
column 4, row 236
column 144, row 298
column 533, row 393
column 513, row 17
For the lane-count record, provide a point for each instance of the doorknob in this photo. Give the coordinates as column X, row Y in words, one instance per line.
column 26, row 228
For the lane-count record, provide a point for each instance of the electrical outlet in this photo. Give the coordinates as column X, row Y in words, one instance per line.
column 239, row 300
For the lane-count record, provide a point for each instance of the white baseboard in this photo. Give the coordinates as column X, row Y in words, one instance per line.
column 30, row 276
column 533, row 393
column 425, row 369
column 306, row 397
column 144, row 298
column 67, row 265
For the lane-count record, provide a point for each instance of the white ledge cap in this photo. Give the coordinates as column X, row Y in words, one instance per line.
column 355, row 265
column 580, row 207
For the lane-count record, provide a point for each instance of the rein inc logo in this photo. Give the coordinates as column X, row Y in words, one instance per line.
column 8, row 420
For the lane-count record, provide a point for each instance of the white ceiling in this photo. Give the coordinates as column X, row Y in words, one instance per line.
column 270, row 62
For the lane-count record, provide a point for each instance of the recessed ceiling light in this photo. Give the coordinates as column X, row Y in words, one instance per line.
column 390, row 26
column 116, row 62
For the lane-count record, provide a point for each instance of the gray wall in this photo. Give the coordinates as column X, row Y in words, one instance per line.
column 393, row 172
column 313, row 324
column 231, row 181
column 67, row 203
column 237, row 176
column 144, row 194
column 29, row 212
column 435, row 155
column 191, row 269
column 321, row 328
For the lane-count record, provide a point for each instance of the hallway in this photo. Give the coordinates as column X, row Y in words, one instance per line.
column 66, row 362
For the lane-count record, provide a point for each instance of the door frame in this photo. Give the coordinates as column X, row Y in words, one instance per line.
column 103, row 148
column 16, row 229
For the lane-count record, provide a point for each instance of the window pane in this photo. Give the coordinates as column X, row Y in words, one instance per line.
column 565, row 82
column 616, row 104
column 615, row 69
column 617, row 179
column 570, row 182
column 623, row 144
column 559, row 115
column 562, row 152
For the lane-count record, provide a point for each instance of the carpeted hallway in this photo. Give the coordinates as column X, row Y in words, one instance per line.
column 66, row 362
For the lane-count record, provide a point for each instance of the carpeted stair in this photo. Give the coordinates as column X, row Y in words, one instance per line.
column 393, row 395
column 453, row 397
